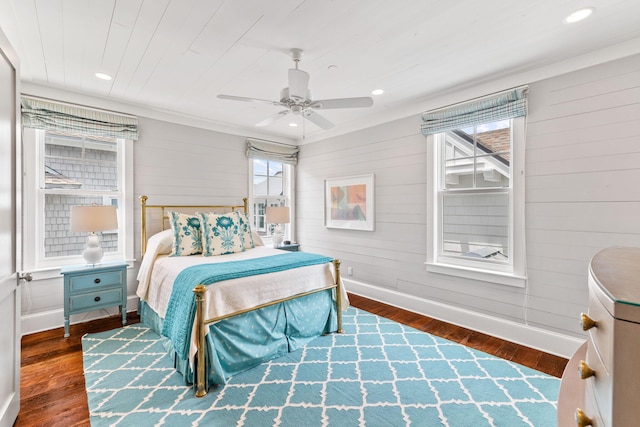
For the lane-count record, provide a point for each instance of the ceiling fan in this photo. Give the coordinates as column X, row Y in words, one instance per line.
column 297, row 99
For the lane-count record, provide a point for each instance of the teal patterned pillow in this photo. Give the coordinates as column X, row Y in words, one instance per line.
column 245, row 230
column 221, row 234
column 187, row 234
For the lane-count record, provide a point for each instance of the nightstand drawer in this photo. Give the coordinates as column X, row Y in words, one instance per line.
column 95, row 280
column 89, row 301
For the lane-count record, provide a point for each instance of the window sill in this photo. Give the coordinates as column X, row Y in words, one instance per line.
column 498, row 277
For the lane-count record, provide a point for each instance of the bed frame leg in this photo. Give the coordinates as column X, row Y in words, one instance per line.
column 336, row 265
column 200, row 380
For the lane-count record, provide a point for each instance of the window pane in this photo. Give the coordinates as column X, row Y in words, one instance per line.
column 476, row 225
column 493, row 138
column 275, row 168
column 80, row 163
column 492, row 171
column 458, row 144
column 58, row 239
column 275, row 186
column 259, row 167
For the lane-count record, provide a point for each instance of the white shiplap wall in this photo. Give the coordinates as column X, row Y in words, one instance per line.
column 582, row 194
column 582, row 177
column 182, row 165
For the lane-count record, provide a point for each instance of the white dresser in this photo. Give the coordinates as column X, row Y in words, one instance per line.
column 604, row 390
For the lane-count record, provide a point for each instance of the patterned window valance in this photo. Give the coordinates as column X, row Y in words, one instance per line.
column 260, row 149
column 50, row 115
column 505, row 105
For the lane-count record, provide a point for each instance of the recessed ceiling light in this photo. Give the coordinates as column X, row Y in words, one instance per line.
column 579, row 15
column 293, row 125
column 377, row 92
column 103, row 76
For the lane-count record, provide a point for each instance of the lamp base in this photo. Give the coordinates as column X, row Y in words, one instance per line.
column 278, row 236
column 93, row 252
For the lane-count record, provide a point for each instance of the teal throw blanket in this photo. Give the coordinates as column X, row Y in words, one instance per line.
column 181, row 310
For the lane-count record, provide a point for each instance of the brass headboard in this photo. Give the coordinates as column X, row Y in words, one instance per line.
column 163, row 209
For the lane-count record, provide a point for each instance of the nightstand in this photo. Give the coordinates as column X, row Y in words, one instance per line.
column 88, row 288
column 291, row 247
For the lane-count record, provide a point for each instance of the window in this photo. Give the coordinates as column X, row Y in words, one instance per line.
column 271, row 171
column 477, row 197
column 68, row 163
column 271, row 186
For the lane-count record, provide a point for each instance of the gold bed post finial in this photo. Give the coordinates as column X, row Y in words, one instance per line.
column 143, row 224
column 200, row 380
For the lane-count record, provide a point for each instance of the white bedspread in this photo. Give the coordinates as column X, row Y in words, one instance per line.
column 231, row 295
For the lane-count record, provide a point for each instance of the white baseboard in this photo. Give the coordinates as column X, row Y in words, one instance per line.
column 540, row 339
column 52, row 319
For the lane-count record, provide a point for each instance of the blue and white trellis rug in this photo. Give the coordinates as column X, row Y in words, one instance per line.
column 379, row 373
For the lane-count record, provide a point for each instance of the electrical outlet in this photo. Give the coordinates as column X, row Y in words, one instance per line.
column 349, row 271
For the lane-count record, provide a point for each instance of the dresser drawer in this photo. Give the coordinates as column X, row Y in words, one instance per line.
column 601, row 336
column 600, row 386
column 592, row 409
column 97, row 299
column 86, row 282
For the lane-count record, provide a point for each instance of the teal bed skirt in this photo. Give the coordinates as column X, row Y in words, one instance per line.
column 247, row 340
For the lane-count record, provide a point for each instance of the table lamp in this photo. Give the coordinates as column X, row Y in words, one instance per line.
column 93, row 219
column 278, row 215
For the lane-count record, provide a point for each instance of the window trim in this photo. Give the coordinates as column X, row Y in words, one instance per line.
column 512, row 273
column 34, row 199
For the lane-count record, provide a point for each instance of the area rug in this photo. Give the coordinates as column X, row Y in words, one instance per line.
column 378, row 374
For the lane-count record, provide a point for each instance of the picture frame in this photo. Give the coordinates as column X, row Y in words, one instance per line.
column 349, row 203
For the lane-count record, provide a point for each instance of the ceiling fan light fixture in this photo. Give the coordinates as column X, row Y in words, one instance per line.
column 579, row 15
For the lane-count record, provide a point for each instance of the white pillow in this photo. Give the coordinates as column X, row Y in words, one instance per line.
column 158, row 244
column 165, row 242
column 257, row 240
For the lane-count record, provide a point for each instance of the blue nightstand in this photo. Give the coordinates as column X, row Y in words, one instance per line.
column 88, row 288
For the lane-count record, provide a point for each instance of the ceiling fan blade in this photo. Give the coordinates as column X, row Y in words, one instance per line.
column 326, row 104
column 269, row 120
column 318, row 119
column 242, row 98
column 298, row 84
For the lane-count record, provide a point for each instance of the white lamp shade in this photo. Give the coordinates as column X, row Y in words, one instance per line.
column 93, row 218
column 278, row 215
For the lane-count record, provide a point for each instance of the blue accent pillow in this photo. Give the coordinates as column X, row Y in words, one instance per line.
column 221, row 234
column 245, row 230
column 187, row 234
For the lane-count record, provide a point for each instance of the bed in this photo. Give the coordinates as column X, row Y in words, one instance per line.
column 221, row 315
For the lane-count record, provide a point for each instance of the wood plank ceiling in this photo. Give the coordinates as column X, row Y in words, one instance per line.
column 177, row 55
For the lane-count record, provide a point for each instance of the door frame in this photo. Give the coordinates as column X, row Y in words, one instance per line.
column 10, row 285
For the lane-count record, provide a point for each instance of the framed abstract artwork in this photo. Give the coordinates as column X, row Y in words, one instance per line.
column 349, row 203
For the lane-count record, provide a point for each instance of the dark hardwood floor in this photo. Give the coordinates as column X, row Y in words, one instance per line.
column 52, row 382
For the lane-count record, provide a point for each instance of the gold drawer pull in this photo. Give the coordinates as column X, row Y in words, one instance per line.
column 582, row 420
column 587, row 322
column 585, row 370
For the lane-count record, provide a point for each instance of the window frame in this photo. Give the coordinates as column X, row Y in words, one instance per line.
column 513, row 272
column 34, row 204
